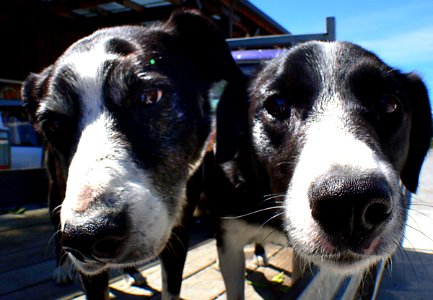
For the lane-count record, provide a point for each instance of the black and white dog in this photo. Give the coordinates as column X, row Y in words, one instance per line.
column 312, row 156
column 127, row 113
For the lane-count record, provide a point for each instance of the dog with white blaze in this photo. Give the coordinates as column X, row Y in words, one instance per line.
column 127, row 115
column 311, row 154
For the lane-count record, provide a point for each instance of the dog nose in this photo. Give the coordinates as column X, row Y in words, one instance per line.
column 350, row 206
column 98, row 238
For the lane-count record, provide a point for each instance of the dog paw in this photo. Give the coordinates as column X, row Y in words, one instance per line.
column 260, row 254
column 133, row 277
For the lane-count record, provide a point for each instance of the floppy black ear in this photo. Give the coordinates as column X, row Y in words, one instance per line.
column 232, row 120
column 33, row 89
column 420, row 132
column 201, row 41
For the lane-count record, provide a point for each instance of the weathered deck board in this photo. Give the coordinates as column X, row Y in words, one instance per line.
column 29, row 219
column 27, row 261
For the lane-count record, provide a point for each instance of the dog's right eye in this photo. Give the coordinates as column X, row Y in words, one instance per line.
column 54, row 125
column 278, row 107
column 389, row 104
column 151, row 96
column 51, row 126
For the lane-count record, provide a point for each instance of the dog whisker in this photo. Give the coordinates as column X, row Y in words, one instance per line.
column 285, row 163
column 56, row 210
column 421, row 213
column 402, row 255
column 419, row 231
column 271, row 218
column 414, row 251
column 180, row 241
column 421, row 204
column 414, row 220
column 252, row 213
column 268, row 198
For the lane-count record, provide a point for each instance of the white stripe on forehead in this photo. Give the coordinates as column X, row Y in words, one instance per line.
column 88, row 67
column 329, row 97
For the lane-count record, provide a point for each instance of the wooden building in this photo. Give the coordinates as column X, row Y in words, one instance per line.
column 35, row 32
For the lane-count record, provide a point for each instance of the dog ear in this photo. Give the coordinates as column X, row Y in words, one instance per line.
column 232, row 120
column 201, row 41
column 420, row 132
column 33, row 89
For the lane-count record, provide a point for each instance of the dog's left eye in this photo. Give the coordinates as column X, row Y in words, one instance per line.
column 278, row 107
column 389, row 104
column 151, row 96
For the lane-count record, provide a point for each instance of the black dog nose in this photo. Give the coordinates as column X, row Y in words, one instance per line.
column 350, row 206
column 99, row 238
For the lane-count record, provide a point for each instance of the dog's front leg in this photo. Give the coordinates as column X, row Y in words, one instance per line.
column 96, row 286
column 174, row 255
column 232, row 264
column 172, row 261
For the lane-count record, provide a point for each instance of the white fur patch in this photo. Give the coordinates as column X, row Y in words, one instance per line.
column 239, row 232
column 64, row 273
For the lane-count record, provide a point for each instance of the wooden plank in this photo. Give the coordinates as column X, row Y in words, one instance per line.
column 323, row 286
column 21, row 278
column 200, row 257
column 29, row 218
column 35, row 253
column 47, row 290
column 206, row 284
column 286, row 260
column 20, row 239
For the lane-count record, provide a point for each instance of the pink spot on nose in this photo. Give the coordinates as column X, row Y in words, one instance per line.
column 85, row 198
column 326, row 245
column 373, row 245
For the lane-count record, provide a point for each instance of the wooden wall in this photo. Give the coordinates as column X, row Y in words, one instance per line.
column 26, row 48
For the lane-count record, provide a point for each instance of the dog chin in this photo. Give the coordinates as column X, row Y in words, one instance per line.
column 345, row 264
column 129, row 258
column 89, row 268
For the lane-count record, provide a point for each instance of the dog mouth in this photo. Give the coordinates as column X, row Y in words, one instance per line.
column 91, row 264
column 359, row 246
column 346, row 258
column 343, row 262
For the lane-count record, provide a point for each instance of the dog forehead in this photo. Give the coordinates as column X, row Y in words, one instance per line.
column 88, row 63
column 81, row 69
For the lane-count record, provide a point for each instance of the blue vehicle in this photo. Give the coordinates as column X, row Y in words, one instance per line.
column 20, row 145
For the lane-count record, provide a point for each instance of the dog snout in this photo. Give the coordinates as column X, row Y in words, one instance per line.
column 96, row 238
column 350, row 207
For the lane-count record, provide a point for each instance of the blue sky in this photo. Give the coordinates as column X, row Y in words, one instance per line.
column 398, row 31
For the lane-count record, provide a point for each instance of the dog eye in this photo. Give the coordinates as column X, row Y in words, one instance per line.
column 51, row 126
column 151, row 96
column 389, row 104
column 278, row 107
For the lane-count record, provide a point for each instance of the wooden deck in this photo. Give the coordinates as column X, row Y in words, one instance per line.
column 27, row 262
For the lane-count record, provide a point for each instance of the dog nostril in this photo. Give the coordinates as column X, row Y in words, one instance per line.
column 376, row 213
column 100, row 237
column 107, row 247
